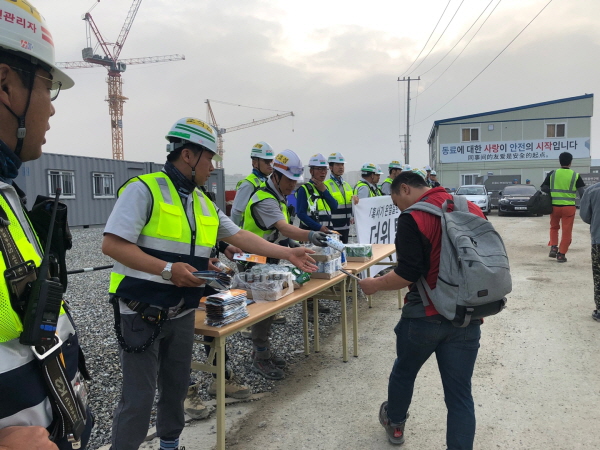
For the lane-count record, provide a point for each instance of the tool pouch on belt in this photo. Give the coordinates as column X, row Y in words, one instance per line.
column 149, row 314
column 61, row 241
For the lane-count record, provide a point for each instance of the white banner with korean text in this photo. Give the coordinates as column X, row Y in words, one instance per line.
column 534, row 149
column 376, row 220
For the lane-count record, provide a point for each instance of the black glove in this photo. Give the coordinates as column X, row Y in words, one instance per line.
column 318, row 238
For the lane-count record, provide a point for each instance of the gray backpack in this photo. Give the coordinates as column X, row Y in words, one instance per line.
column 474, row 274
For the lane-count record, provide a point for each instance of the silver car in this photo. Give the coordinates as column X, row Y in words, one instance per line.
column 477, row 194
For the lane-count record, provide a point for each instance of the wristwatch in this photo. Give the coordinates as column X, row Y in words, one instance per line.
column 166, row 274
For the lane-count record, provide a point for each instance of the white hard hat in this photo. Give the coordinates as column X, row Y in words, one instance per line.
column 336, row 158
column 406, row 168
column 289, row 164
column 420, row 172
column 317, row 160
column 24, row 32
column 433, row 172
column 194, row 131
column 395, row 165
column 368, row 167
column 379, row 171
column 427, row 168
column 262, row 150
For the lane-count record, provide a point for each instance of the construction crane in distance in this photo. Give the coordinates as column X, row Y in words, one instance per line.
column 221, row 131
column 115, row 67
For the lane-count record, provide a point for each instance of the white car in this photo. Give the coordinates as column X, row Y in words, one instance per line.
column 477, row 194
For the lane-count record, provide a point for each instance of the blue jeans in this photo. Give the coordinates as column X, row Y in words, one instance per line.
column 456, row 351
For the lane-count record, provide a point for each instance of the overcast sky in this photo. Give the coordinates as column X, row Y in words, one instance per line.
column 335, row 64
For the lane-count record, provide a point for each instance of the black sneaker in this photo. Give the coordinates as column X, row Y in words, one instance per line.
column 395, row 431
column 596, row 315
column 263, row 365
column 560, row 257
column 553, row 251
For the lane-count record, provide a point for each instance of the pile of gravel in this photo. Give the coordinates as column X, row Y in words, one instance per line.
column 88, row 297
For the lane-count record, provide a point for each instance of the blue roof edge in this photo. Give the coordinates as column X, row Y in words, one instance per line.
column 517, row 108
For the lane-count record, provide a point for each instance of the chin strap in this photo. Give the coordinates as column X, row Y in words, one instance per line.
column 194, row 168
column 21, row 130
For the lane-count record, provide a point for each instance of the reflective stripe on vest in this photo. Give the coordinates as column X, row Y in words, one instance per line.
column 364, row 183
column 318, row 209
column 251, row 223
column 253, row 179
column 168, row 235
column 562, row 187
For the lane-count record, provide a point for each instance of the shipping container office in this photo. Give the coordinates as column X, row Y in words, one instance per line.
column 89, row 185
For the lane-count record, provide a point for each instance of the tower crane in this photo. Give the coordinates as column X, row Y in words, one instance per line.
column 115, row 67
column 222, row 131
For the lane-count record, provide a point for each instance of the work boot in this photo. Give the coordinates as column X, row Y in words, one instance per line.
column 553, row 251
column 193, row 405
column 233, row 388
column 279, row 319
column 263, row 365
column 560, row 257
column 596, row 315
column 322, row 308
column 277, row 360
column 395, row 431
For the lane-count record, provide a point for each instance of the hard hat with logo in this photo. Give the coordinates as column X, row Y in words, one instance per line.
column 395, row 165
column 406, row 168
column 368, row 168
column 195, row 131
column 420, row 172
column 427, row 168
column 336, row 158
column 25, row 33
column 379, row 171
column 433, row 172
column 317, row 160
column 262, row 150
column 288, row 163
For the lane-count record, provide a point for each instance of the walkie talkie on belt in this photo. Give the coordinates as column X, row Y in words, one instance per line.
column 44, row 299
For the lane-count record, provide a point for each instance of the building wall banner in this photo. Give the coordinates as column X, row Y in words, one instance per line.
column 535, row 149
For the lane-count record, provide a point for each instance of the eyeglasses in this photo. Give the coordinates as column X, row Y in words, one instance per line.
column 320, row 168
column 54, row 85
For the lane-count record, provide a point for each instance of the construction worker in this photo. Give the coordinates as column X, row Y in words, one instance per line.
column 262, row 167
column 366, row 187
column 314, row 202
column 341, row 191
column 377, row 178
column 428, row 171
column 406, row 168
column 433, row 177
column 394, row 168
column 43, row 393
column 162, row 229
column 315, row 205
column 267, row 216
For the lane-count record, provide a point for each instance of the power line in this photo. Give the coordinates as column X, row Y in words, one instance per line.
column 461, row 38
column 464, row 48
column 438, row 40
column 490, row 63
column 438, row 22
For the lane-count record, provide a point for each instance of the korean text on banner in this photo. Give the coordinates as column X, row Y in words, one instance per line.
column 376, row 220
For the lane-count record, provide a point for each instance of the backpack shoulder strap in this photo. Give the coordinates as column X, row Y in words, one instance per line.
column 425, row 207
column 460, row 203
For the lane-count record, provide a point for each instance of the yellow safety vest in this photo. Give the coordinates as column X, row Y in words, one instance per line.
column 169, row 236
column 371, row 192
column 253, row 179
column 251, row 223
column 562, row 187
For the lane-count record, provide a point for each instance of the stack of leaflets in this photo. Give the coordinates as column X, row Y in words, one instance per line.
column 225, row 308
column 219, row 281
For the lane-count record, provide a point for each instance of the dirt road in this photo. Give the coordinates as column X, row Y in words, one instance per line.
column 536, row 382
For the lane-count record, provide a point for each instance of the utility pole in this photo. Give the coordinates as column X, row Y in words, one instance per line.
column 407, row 144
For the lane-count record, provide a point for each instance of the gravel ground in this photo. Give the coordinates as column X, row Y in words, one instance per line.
column 87, row 294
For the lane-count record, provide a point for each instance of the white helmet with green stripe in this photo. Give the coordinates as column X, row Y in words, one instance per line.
column 317, row 160
column 195, row 131
column 336, row 157
column 395, row 165
column 368, row 168
column 262, row 150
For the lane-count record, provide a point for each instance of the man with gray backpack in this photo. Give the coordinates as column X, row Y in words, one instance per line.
column 456, row 266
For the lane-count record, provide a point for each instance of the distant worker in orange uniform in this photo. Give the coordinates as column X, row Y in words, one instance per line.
column 562, row 184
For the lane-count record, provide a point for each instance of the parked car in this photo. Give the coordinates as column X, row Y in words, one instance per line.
column 477, row 194
column 514, row 198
